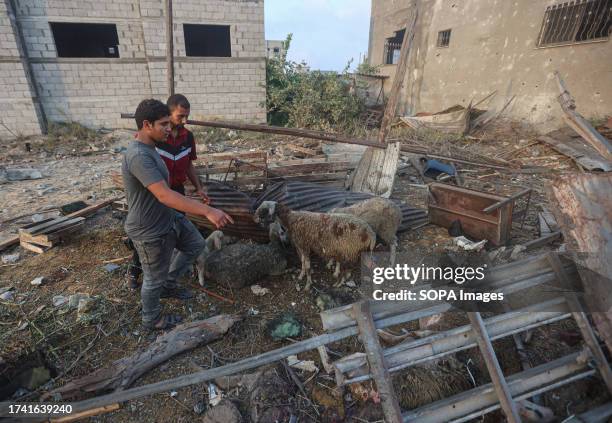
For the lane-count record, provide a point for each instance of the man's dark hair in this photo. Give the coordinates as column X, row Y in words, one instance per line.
column 150, row 110
column 176, row 100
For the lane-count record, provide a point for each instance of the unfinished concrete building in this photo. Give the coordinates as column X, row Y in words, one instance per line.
column 88, row 61
column 464, row 50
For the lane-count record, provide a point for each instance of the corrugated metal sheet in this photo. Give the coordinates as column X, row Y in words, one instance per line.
column 295, row 195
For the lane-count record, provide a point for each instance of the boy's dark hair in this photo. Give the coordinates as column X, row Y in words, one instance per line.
column 150, row 110
column 176, row 100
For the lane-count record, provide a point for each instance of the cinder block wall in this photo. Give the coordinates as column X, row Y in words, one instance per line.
column 17, row 112
column 94, row 91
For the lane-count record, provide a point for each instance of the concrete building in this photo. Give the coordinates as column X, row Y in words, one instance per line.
column 275, row 48
column 88, row 61
column 464, row 50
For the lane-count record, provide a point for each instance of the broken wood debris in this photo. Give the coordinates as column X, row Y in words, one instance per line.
column 48, row 233
column 579, row 124
column 570, row 144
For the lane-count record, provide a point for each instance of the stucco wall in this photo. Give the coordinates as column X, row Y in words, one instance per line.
column 493, row 47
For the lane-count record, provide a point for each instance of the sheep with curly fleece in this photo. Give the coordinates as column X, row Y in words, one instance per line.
column 341, row 237
column 383, row 216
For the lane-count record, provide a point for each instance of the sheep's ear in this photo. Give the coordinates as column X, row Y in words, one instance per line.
column 218, row 241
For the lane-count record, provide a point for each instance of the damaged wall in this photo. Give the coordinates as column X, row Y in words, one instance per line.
column 493, row 46
column 94, row 91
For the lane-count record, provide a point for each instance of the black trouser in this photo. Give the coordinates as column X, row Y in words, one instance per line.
column 135, row 267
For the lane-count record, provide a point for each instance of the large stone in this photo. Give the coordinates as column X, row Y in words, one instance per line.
column 23, row 174
column 224, row 412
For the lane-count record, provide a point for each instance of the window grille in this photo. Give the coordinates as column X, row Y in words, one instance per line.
column 393, row 47
column 444, row 38
column 575, row 22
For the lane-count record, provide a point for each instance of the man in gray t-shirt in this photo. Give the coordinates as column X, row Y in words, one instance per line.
column 152, row 224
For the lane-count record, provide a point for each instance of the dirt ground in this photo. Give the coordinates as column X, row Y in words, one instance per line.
column 35, row 333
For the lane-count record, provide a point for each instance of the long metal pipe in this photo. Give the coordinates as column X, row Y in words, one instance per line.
column 169, row 48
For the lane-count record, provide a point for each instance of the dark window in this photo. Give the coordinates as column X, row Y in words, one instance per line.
column 207, row 40
column 85, row 39
column 276, row 50
column 575, row 22
column 393, row 47
column 444, row 38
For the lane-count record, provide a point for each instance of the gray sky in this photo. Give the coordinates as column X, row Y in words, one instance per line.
column 326, row 33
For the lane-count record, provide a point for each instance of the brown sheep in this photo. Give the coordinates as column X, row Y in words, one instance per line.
column 340, row 237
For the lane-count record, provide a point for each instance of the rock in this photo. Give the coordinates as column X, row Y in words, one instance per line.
column 516, row 251
column 111, row 267
column 38, row 281
column 3, row 175
column 85, row 306
column 259, row 291
column 224, row 412
column 270, row 398
column 173, row 394
column 214, row 396
column 285, row 326
column 7, row 295
column 10, row 258
column 74, row 299
column 468, row 245
column 23, row 174
column 45, row 191
column 37, row 218
column 59, row 300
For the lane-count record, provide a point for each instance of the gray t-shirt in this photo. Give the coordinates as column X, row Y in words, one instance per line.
column 147, row 218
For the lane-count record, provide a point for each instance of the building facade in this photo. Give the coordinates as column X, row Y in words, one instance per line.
column 464, row 50
column 88, row 61
column 275, row 49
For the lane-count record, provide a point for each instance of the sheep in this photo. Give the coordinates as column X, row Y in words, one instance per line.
column 383, row 216
column 330, row 236
column 238, row 265
column 215, row 241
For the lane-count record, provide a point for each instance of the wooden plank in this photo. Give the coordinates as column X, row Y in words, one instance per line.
column 507, row 200
column 300, row 149
column 580, row 124
column 389, row 170
column 582, row 320
column 398, row 79
column 31, row 225
column 543, row 240
column 36, row 229
column 84, row 414
column 32, row 247
column 380, row 374
column 60, row 226
column 497, row 377
column 31, row 239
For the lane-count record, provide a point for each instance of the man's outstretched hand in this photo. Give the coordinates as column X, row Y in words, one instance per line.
column 219, row 218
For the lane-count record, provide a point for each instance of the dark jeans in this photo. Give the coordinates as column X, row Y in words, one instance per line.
column 135, row 268
column 161, row 268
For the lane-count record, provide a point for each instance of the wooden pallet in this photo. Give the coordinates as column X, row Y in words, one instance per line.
column 40, row 236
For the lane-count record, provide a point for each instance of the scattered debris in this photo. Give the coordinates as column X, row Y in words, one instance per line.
column 22, row 174
column 111, row 267
column 326, row 302
column 304, row 365
column 73, row 300
column 59, row 300
column 10, row 258
column 199, row 407
column 214, row 396
column 454, row 120
column 259, row 291
column 38, row 281
column 468, row 245
column 330, row 398
column 271, row 398
column 285, row 326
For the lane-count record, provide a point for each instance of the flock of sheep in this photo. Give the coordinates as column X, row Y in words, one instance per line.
column 339, row 237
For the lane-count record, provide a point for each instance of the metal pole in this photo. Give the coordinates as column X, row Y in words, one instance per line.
column 169, row 48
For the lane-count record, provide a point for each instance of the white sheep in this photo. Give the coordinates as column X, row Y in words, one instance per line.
column 383, row 216
column 340, row 237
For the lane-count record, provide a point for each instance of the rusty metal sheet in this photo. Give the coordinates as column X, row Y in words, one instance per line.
column 448, row 203
column 295, row 195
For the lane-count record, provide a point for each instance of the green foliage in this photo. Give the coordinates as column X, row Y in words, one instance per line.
column 298, row 97
column 366, row 69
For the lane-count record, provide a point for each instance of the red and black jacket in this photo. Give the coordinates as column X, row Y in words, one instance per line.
column 177, row 153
